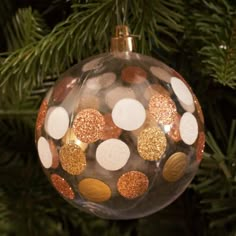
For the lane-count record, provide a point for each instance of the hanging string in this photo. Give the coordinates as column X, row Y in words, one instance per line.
column 124, row 11
column 119, row 22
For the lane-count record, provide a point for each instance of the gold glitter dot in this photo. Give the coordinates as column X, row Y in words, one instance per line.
column 132, row 184
column 151, row 144
column 162, row 108
column 88, row 125
column 71, row 138
column 72, row 159
column 62, row 88
column 110, row 130
column 200, row 146
column 175, row 167
column 62, row 186
column 94, row 190
column 55, row 158
column 174, row 131
column 41, row 117
column 133, row 74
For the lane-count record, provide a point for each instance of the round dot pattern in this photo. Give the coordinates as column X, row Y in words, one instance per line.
column 120, row 135
column 163, row 109
column 188, row 128
column 112, row 154
column 175, row 167
column 151, row 144
column 183, row 94
column 44, row 152
column 133, row 74
column 94, row 190
column 132, row 184
column 56, row 122
column 128, row 114
column 72, row 159
column 62, row 186
column 88, row 125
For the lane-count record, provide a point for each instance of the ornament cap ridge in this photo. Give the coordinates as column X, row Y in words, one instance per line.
column 122, row 41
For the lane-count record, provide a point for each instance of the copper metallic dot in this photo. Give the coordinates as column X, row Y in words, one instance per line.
column 94, row 190
column 88, row 125
column 175, row 167
column 72, row 159
column 200, row 146
column 110, row 129
column 151, row 144
column 70, row 137
column 163, row 109
column 41, row 117
column 132, row 184
column 62, row 186
column 55, row 155
column 62, row 88
column 174, row 133
column 133, row 74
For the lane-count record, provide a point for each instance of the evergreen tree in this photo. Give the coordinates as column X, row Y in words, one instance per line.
column 41, row 39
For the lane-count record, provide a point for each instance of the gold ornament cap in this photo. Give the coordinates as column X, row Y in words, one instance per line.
column 122, row 41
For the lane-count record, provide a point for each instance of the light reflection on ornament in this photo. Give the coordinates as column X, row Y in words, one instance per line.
column 70, row 137
column 63, row 88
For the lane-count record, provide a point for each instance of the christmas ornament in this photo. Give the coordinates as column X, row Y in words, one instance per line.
column 120, row 135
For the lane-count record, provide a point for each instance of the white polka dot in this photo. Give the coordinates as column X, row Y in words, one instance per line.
column 160, row 73
column 107, row 79
column 188, row 128
column 118, row 93
column 112, row 154
column 101, row 81
column 128, row 114
column 56, row 122
column 44, row 152
column 91, row 65
column 183, row 94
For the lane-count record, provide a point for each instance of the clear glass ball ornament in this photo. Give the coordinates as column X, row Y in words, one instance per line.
column 120, row 135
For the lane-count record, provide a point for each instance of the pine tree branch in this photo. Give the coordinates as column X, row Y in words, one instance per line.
column 216, row 181
column 86, row 32
column 214, row 30
column 26, row 27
